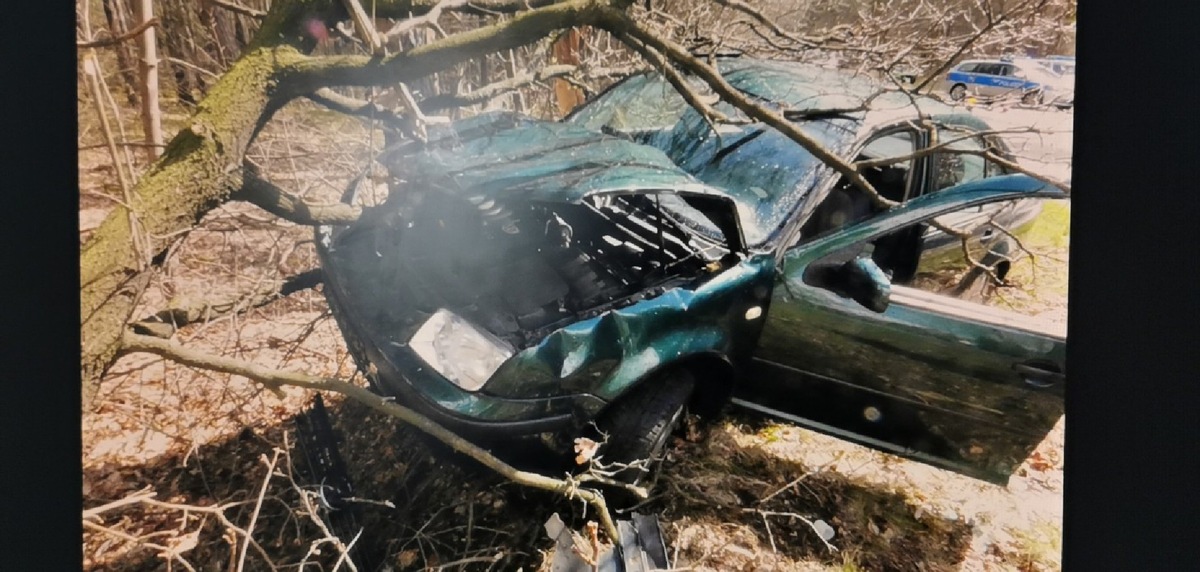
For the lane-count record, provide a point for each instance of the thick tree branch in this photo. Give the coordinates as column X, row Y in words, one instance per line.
column 271, row 198
column 276, row 379
column 131, row 34
column 357, row 107
column 164, row 323
column 309, row 74
column 676, row 80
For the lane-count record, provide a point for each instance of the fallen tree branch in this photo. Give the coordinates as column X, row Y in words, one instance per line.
column 676, row 80
column 131, row 34
column 164, row 323
column 271, row 198
column 357, row 107
column 275, row 379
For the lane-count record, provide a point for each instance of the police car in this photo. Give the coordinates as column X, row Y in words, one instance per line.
column 1024, row 78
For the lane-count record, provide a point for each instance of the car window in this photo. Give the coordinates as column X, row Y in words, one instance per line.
column 968, row 68
column 950, row 169
column 847, row 204
column 1023, row 243
column 1005, row 69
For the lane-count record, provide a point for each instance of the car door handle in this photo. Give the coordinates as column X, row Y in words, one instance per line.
column 1036, row 375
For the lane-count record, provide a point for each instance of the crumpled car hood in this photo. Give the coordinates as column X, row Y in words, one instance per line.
column 505, row 154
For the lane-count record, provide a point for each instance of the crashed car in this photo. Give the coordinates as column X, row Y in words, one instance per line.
column 528, row 278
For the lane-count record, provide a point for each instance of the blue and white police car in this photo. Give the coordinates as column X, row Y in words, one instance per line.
column 999, row 78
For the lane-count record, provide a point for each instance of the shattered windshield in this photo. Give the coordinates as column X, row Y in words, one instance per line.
column 764, row 172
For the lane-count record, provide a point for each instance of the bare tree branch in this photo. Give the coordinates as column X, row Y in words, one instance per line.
column 358, row 107
column 365, row 27
column 276, row 379
column 164, row 323
column 287, row 206
column 429, row 18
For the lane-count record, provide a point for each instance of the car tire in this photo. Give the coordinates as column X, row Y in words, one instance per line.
column 958, row 92
column 1032, row 98
column 639, row 426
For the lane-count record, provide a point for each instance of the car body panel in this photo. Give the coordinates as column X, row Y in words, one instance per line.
column 930, row 378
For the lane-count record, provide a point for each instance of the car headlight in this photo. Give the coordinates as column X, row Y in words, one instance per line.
column 460, row 351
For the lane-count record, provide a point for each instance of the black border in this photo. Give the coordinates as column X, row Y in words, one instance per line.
column 1132, row 452
column 40, row 474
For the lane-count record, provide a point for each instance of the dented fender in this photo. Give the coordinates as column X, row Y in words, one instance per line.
column 605, row 355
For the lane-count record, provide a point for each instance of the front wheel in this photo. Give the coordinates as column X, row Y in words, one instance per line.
column 636, row 428
column 958, row 92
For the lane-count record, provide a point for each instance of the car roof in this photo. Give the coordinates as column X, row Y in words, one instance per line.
column 800, row 87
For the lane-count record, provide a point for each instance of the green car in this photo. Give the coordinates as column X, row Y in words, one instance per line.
column 537, row 279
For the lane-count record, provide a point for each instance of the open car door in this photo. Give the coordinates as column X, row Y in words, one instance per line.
column 924, row 375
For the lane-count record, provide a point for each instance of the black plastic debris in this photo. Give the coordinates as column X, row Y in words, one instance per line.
column 640, row 547
column 320, row 465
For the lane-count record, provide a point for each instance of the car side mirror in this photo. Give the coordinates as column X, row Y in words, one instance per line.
column 859, row 278
column 866, row 283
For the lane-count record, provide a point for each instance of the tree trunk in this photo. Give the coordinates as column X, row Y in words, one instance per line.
column 198, row 170
column 148, row 70
column 114, row 13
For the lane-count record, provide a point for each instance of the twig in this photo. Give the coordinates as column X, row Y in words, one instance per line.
column 262, row 492
column 428, row 19
column 811, row 524
column 131, row 34
column 493, row 90
column 794, row 482
column 238, row 8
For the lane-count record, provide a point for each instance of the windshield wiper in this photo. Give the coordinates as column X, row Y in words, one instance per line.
column 832, row 113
